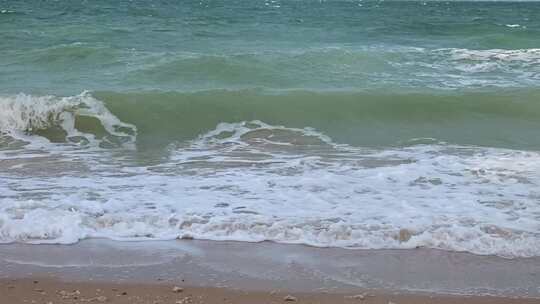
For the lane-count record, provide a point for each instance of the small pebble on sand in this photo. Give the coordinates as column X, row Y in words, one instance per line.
column 358, row 297
column 177, row 289
column 290, row 298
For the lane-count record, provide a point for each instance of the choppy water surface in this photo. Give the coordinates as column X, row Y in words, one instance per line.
column 358, row 124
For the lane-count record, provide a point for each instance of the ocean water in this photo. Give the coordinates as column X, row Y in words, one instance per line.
column 356, row 124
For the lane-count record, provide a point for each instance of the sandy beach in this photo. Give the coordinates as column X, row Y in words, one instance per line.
column 52, row 291
column 101, row 271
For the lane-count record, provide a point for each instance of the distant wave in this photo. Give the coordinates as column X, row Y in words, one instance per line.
column 345, row 68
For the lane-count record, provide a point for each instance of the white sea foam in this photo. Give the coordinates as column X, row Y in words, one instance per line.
column 251, row 181
column 22, row 115
column 525, row 55
column 459, row 67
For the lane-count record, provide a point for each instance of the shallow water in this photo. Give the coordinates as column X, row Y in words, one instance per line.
column 274, row 267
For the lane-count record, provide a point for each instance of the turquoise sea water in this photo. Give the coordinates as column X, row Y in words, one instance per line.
column 330, row 123
column 473, row 64
column 64, row 47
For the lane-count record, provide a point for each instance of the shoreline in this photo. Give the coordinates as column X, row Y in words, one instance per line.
column 34, row 290
column 266, row 272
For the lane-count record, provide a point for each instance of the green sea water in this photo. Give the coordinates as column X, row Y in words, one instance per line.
column 64, row 47
column 329, row 123
column 452, row 70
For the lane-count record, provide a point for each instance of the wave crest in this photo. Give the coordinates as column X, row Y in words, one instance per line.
column 80, row 119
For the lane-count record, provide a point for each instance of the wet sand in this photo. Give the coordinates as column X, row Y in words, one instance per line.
column 51, row 291
column 97, row 271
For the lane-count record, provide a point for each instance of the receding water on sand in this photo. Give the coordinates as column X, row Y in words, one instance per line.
column 270, row 266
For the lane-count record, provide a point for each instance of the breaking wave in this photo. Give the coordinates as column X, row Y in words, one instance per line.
column 80, row 119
